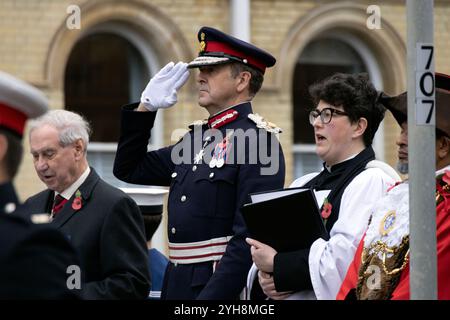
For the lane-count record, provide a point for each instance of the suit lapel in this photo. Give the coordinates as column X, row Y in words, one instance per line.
column 44, row 203
column 70, row 209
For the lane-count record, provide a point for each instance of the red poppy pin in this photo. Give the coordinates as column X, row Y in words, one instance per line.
column 77, row 202
column 326, row 210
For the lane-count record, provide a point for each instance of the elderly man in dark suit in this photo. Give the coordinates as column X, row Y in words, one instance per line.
column 102, row 223
column 34, row 259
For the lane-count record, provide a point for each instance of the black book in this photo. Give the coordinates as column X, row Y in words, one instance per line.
column 286, row 219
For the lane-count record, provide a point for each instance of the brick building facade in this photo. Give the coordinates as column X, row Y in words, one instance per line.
column 38, row 45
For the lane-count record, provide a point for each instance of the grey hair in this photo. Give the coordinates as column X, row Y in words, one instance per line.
column 70, row 125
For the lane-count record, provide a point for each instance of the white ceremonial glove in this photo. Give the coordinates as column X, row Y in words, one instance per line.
column 161, row 91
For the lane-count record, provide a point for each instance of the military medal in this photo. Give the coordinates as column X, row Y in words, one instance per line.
column 220, row 163
column 387, row 223
column 212, row 163
column 219, row 154
column 221, row 151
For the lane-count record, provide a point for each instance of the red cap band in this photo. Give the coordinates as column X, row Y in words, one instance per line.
column 12, row 119
column 214, row 46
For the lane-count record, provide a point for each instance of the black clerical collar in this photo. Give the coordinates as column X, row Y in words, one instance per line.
column 338, row 165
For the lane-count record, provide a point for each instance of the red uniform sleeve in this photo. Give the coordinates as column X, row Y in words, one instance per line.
column 443, row 256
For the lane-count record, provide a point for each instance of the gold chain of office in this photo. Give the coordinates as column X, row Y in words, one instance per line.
column 382, row 247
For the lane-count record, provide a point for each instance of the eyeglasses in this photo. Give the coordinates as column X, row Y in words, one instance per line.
column 325, row 115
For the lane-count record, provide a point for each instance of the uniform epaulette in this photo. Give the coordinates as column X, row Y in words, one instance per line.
column 263, row 124
column 197, row 123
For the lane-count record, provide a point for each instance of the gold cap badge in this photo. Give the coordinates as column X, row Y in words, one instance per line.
column 202, row 42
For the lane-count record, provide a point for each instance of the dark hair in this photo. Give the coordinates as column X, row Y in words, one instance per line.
column 356, row 94
column 13, row 156
column 151, row 223
column 440, row 134
column 256, row 80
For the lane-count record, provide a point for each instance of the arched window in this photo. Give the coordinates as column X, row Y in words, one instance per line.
column 101, row 75
column 321, row 58
column 105, row 71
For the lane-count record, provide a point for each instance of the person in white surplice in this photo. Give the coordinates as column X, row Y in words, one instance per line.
column 345, row 120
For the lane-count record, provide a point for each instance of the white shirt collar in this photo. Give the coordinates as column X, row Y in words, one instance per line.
column 443, row 170
column 68, row 193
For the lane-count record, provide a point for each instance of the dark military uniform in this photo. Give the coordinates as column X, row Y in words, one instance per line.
column 8, row 198
column 19, row 101
column 209, row 256
column 34, row 260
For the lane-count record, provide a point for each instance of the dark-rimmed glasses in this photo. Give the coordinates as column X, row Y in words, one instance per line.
column 325, row 115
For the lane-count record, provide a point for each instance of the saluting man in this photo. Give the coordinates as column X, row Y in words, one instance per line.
column 212, row 169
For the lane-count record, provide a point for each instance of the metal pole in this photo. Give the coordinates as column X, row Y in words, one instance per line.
column 421, row 141
column 240, row 19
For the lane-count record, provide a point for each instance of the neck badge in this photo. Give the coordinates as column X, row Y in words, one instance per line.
column 387, row 223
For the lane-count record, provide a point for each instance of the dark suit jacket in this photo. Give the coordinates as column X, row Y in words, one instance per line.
column 33, row 261
column 108, row 235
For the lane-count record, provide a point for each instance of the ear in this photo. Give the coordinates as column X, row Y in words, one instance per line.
column 359, row 127
column 79, row 149
column 442, row 148
column 3, row 146
column 243, row 81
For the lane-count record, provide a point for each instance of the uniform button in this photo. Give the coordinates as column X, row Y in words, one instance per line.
column 211, row 175
column 183, row 198
column 194, row 168
column 9, row 207
column 174, row 230
column 174, row 175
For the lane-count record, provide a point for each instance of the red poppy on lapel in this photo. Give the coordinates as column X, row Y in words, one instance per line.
column 77, row 202
column 326, row 211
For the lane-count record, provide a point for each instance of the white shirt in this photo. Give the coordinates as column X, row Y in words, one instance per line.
column 329, row 260
column 68, row 193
